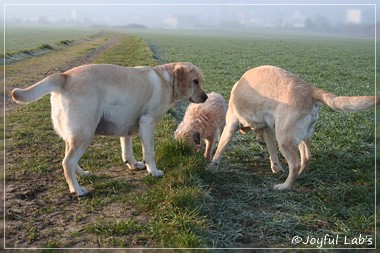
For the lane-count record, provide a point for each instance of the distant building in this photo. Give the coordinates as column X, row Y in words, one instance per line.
column 171, row 22
column 354, row 16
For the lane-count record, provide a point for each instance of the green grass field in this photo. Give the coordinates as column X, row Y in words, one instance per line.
column 29, row 39
column 191, row 207
column 330, row 200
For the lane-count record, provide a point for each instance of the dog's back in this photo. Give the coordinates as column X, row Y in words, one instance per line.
column 272, row 88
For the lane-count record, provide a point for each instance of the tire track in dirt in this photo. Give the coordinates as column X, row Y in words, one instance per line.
column 91, row 56
column 76, row 61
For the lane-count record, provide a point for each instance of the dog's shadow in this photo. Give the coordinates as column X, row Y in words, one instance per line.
column 115, row 181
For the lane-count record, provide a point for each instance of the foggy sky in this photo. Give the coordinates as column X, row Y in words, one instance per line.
column 120, row 13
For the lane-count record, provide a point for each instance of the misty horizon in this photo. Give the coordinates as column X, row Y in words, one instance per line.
column 197, row 16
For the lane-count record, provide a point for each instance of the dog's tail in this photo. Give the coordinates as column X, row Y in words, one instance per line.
column 53, row 83
column 347, row 104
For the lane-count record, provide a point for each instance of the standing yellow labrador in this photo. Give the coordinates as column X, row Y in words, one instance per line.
column 112, row 100
column 277, row 104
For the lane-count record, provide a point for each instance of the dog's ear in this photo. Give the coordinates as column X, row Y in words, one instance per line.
column 179, row 72
column 196, row 138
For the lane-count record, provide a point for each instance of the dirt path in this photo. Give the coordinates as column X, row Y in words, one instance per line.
column 38, row 207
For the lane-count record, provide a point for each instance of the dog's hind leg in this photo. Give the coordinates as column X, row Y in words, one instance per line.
column 220, row 130
column 232, row 126
column 127, row 154
column 289, row 150
column 75, row 148
column 304, row 148
column 270, row 141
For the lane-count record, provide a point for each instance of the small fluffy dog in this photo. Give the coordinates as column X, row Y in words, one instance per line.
column 279, row 105
column 111, row 100
column 203, row 122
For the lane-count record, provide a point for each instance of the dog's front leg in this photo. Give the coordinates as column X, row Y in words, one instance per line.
column 127, row 154
column 232, row 126
column 210, row 143
column 304, row 148
column 147, row 125
column 270, row 141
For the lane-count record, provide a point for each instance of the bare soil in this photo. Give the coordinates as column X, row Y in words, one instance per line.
column 29, row 225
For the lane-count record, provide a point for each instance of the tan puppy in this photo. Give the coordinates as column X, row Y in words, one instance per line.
column 203, row 122
column 279, row 105
column 112, row 100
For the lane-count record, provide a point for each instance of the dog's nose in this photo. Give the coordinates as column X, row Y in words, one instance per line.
column 204, row 97
column 199, row 99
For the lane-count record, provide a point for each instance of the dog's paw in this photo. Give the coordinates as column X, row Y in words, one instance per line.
column 276, row 168
column 213, row 167
column 137, row 166
column 86, row 173
column 140, row 166
column 156, row 173
column 81, row 192
column 82, row 172
column 282, row 187
column 301, row 174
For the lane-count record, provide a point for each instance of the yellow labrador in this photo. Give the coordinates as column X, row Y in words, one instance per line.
column 277, row 104
column 113, row 100
column 203, row 123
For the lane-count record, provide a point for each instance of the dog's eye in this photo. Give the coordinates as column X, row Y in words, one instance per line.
column 196, row 81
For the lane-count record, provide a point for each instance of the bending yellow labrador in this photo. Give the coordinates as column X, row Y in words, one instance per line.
column 112, row 100
column 277, row 104
column 203, row 123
